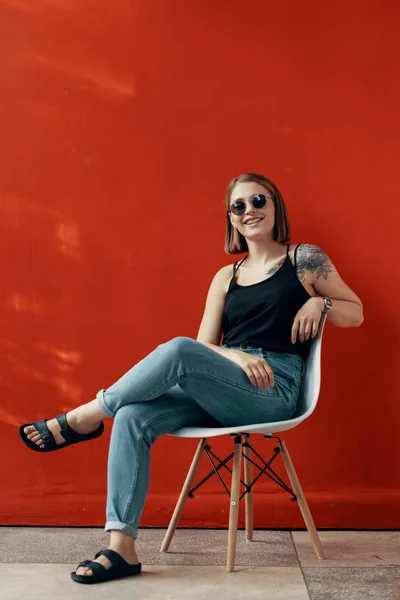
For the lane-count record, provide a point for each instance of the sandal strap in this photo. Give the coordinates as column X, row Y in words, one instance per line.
column 65, row 429
column 97, row 569
column 116, row 559
column 84, row 563
column 45, row 434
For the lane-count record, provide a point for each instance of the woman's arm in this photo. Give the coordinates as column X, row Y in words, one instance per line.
column 347, row 308
column 210, row 330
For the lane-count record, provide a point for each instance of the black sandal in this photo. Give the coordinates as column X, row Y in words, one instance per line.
column 120, row 568
column 70, row 436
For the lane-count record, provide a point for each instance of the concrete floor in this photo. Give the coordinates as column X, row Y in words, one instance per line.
column 35, row 564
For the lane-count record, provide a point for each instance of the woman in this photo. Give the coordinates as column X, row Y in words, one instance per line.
column 268, row 308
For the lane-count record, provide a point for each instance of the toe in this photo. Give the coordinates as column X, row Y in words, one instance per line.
column 84, row 571
column 34, row 436
column 103, row 560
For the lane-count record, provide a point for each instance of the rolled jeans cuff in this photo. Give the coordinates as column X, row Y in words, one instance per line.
column 102, row 404
column 132, row 531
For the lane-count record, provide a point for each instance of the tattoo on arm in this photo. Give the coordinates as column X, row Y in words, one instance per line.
column 312, row 258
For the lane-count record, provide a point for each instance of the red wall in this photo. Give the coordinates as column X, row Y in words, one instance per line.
column 121, row 124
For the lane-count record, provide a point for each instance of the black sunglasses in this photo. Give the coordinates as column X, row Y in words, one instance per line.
column 238, row 207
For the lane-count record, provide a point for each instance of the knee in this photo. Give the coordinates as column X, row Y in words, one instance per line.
column 130, row 416
column 134, row 420
column 129, row 412
column 181, row 346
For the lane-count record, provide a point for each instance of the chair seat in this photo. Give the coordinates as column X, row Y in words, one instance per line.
column 264, row 428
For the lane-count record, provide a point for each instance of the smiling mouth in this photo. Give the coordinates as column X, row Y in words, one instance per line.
column 253, row 223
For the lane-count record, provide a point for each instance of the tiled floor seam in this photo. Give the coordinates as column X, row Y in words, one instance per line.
column 300, row 565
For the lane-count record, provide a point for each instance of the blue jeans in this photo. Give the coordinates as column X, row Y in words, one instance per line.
column 182, row 383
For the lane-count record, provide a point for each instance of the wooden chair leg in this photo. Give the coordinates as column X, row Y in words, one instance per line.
column 234, row 504
column 305, row 511
column 249, row 499
column 180, row 505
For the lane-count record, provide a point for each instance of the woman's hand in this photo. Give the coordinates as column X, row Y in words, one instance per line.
column 256, row 368
column 307, row 320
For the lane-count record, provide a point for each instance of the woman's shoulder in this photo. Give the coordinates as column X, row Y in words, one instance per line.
column 307, row 253
column 225, row 273
column 298, row 245
column 303, row 249
column 229, row 267
column 306, row 258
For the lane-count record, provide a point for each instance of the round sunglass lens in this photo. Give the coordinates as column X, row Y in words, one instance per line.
column 238, row 208
column 259, row 201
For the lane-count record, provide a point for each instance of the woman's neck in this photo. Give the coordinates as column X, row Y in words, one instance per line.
column 265, row 255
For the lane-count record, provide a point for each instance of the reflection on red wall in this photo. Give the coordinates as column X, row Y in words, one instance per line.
column 120, row 128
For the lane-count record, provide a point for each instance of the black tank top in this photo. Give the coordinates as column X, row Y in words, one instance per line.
column 262, row 314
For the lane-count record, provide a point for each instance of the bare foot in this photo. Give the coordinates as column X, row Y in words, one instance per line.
column 81, row 420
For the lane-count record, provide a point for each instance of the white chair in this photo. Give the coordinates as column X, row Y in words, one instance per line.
column 307, row 401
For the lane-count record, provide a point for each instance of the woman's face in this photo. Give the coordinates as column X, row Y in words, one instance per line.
column 245, row 192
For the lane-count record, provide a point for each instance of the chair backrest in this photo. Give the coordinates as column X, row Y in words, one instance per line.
column 311, row 380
